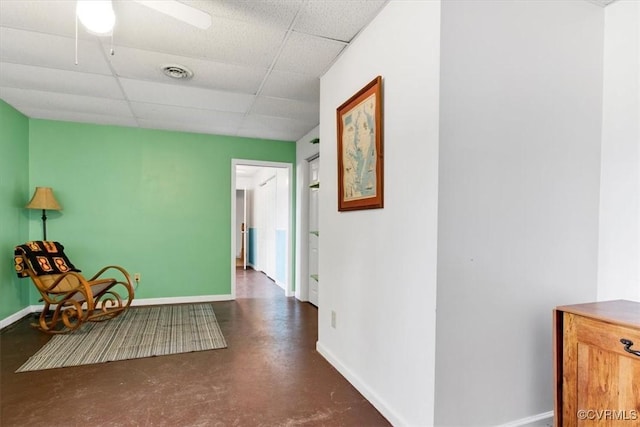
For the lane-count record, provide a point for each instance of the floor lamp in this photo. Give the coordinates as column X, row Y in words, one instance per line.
column 43, row 199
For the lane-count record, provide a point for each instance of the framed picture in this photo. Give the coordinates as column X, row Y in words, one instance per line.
column 360, row 156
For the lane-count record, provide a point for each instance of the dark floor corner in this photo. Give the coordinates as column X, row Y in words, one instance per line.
column 270, row 375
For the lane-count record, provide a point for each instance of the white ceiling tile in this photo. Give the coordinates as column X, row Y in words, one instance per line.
column 185, row 96
column 276, row 13
column 49, row 16
column 218, row 129
column 74, row 116
column 602, row 3
column 254, row 125
column 308, row 112
column 338, row 20
column 59, row 101
column 61, row 81
column 31, row 48
column 146, row 65
column 186, row 115
column 226, row 40
column 268, row 132
column 307, row 54
column 302, row 87
column 260, row 55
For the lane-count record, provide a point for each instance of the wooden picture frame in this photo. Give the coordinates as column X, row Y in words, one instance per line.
column 360, row 154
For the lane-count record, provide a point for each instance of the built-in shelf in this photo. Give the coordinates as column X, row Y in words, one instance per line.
column 315, row 277
column 314, row 185
column 315, row 233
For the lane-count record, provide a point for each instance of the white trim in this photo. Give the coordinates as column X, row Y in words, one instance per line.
column 393, row 417
column 530, row 420
column 136, row 303
column 302, row 229
column 287, row 292
column 289, row 287
column 15, row 317
column 180, row 300
column 304, row 152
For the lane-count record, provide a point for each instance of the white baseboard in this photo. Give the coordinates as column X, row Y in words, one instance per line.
column 299, row 297
column 394, row 418
column 543, row 419
column 391, row 416
column 15, row 317
column 180, row 300
column 287, row 292
column 136, row 302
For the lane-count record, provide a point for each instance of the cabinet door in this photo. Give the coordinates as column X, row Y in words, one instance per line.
column 601, row 381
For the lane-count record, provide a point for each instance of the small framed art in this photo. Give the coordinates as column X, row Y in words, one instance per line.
column 360, row 149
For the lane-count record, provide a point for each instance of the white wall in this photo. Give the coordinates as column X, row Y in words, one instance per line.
column 619, row 260
column 521, row 105
column 282, row 228
column 378, row 267
column 272, row 209
column 304, row 150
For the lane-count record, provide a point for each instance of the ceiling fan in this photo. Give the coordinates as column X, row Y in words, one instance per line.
column 98, row 17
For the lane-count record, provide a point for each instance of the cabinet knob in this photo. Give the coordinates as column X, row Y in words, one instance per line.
column 627, row 347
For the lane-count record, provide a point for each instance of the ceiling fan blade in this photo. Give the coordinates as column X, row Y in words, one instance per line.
column 180, row 11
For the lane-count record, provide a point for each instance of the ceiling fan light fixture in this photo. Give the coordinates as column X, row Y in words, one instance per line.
column 179, row 72
column 97, row 16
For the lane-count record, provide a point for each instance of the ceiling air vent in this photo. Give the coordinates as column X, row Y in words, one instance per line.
column 178, row 72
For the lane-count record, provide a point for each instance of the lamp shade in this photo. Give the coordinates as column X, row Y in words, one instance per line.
column 43, row 199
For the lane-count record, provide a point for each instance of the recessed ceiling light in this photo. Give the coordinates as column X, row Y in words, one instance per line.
column 178, row 72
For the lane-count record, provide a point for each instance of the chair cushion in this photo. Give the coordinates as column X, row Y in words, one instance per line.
column 68, row 283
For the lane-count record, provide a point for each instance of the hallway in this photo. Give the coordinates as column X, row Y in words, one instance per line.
column 270, row 375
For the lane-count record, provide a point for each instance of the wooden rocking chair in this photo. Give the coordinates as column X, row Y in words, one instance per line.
column 69, row 298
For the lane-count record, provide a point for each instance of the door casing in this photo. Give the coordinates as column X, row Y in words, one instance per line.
column 290, row 285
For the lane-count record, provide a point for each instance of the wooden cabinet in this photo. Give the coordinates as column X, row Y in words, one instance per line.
column 597, row 364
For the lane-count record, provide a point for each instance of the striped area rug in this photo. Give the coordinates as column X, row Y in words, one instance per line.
column 138, row 332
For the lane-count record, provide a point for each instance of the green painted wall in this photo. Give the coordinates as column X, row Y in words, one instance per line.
column 155, row 202
column 14, row 194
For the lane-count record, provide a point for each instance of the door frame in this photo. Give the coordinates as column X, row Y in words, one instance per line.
column 290, row 285
column 308, row 280
column 243, row 233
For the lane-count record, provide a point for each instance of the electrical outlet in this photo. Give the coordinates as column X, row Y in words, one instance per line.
column 333, row 319
column 136, row 277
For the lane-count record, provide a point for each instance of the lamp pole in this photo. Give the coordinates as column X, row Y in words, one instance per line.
column 44, row 223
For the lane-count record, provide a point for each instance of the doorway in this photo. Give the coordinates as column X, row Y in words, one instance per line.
column 268, row 220
column 240, row 228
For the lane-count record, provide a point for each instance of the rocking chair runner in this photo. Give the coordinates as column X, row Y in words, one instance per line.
column 69, row 298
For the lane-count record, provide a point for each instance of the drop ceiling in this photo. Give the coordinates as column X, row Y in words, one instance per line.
column 602, row 3
column 256, row 70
